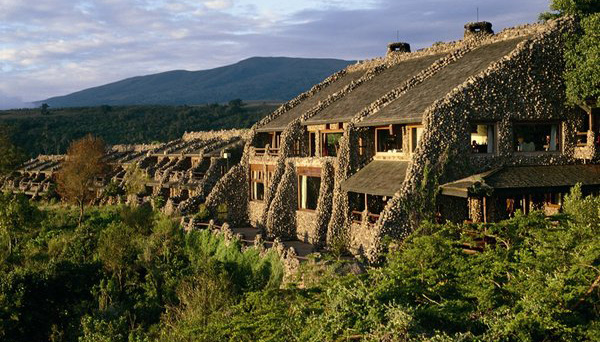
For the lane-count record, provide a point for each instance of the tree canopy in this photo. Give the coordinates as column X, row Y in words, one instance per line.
column 84, row 163
column 559, row 8
column 12, row 156
column 582, row 56
column 582, row 53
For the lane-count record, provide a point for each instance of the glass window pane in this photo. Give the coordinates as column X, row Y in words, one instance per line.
column 536, row 137
column 482, row 138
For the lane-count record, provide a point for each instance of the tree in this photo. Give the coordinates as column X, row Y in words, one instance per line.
column 582, row 56
column 559, row 8
column 17, row 216
column 83, row 165
column 11, row 155
column 582, row 73
column 135, row 180
column 44, row 109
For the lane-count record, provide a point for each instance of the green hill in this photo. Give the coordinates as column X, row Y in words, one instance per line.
column 255, row 79
column 52, row 133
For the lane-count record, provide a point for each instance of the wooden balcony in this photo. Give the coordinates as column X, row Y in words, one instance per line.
column 359, row 216
column 266, row 151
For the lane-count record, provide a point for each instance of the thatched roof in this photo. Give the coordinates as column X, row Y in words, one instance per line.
column 380, row 177
column 514, row 178
column 280, row 122
column 409, row 107
column 345, row 108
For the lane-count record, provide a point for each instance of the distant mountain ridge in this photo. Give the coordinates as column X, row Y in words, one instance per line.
column 254, row 79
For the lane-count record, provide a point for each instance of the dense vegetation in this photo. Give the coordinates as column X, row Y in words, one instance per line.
column 582, row 56
column 123, row 273
column 253, row 79
column 12, row 156
column 53, row 132
column 131, row 274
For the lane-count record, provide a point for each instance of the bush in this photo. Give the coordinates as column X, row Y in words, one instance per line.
column 203, row 213
column 159, row 202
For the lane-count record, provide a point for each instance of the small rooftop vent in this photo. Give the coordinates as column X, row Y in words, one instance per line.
column 398, row 47
column 479, row 27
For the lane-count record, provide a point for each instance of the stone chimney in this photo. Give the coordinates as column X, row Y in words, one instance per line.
column 478, row 28
column 398, row 47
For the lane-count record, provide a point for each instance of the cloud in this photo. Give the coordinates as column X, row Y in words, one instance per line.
column 218, row 4
column 54, row 47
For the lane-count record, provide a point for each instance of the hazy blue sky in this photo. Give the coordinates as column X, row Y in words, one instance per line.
column 54, row 47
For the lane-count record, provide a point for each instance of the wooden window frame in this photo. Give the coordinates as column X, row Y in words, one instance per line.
column 306, row 172
column 389, row 128
column 261, row 170
column 312, row 143
column 559, row 135
column 323, row 136
column 495, row 146
column 409, row 129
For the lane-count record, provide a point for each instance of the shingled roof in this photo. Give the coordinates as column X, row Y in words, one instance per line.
column 345, row 108
column 379, row 177
column 525, row 178
column 409, row 107
column 280, row 122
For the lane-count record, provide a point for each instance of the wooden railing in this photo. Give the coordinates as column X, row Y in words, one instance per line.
column 357, row 217
column 266, row 151
column 372, row 218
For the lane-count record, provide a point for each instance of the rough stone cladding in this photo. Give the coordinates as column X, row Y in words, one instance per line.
column 221, row 134
column 255, row 210
column 295, row 131
column 281, row 219
column 525, row 85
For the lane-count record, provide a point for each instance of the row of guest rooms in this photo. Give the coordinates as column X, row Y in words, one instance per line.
column 399, row 142
column 402, row 139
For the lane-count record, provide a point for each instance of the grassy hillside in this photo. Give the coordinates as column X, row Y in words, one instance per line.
column 254, row 79
column 52, row 133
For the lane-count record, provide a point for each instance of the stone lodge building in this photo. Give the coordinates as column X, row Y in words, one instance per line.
column 469, row 130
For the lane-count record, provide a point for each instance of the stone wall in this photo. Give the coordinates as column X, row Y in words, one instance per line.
column 232, row 190
column 281, row 216
column 225, row 134
column 525, row 85
column 255, row 210
column 361, row 238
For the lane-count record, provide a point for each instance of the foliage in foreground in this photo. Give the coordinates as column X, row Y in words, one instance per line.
column 539, row 280
column 130, row 274
column 124, row 273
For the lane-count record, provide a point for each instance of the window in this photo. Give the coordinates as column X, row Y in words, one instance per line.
column 389, row 139
column 330, row 143
column 309, row 192
column 257, row 183
column 415, row 137
column 532, row 137
column 553, row 199
column 583, row 126
column 276, row 140
column 483, row 138
column 263, row 139
column 372, row 204
column 312, row 142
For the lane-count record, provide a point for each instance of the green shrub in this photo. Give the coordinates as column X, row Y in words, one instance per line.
column 203, row 213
